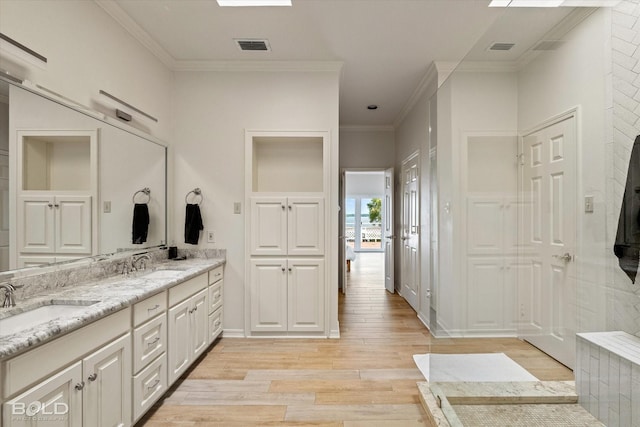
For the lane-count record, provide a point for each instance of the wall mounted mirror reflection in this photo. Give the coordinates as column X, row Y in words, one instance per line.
column 68, row 180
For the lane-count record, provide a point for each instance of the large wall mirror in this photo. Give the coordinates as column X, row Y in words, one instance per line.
column 73, row 185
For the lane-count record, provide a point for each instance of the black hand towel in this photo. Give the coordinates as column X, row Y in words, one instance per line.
column 140, row 227
column 192, row 224
column 627, row 245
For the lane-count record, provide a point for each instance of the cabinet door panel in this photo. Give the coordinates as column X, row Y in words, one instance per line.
column 268, row 226
column 149, row 385
column 149, row 341
column 107, row 392
column 199, row 323
column 305, row 226
column 484, row 225
column 36, row 232
column 179, row 340
column 215, row 325
column 53, row 402
column 306, row 292
column 269, row 295
column 484, row 301
column 73, row 224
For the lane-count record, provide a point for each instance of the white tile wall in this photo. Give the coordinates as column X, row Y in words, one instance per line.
column 608, row 377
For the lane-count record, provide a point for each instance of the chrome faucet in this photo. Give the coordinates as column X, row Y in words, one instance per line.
column 139, row 262
column 9, row 299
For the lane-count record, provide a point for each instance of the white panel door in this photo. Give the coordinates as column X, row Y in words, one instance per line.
column 549, row 227
column 485, row 292
column 54, row 402
column 410, row 275
column 485, row 224
column 73, row 224
column 268, row 226
column 107, row 391
column 36, row 230
column 269, row 295
column 179, row 340
column 199, row 323
column 305, row 229
column 387, row 231
column 306, row 295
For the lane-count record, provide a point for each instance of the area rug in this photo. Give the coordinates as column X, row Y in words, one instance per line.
column 480, row 367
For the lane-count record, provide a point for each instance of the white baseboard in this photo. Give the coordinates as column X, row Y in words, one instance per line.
column 233, row 333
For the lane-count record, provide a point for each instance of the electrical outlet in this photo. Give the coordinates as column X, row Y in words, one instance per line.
column 211, row 237
column 588, row 204
column 107, row 207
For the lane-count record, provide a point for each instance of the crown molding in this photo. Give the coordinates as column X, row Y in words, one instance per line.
column 428, row 80
column 366, row 128
column 271, row 66
column 487, row 67
column 138, row 33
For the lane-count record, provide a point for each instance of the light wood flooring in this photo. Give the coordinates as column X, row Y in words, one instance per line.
column 365, row 378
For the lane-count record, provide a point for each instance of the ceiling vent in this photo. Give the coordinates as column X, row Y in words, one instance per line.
column 501, row 46
column 256, row 45
column 548, row 45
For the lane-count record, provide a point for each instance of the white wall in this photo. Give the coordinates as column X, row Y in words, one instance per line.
column 213, row 110
column 365, row 184
column 554, row 83
column 366, row 148
column 87, row 51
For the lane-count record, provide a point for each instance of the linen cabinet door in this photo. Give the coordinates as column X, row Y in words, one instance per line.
column 73, row 224
column 36, row 224
column 305, row 232
column 269, row 295
column 306, row 291
column 107, row 391
column 268, row 226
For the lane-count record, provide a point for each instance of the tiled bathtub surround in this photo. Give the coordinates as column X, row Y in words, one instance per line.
column 608, row 377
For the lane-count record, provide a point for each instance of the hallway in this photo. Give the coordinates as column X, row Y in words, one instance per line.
column 366, row 378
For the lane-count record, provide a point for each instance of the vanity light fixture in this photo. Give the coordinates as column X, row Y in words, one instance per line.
column 235, row 3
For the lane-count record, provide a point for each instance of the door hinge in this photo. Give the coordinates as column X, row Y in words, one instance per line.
column 520, row 159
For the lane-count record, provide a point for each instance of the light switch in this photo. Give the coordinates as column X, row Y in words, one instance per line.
column 107, row 207
column 237, row 207
column 211, row 237
column 588, row 204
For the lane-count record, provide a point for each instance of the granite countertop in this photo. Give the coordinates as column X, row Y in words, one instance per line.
column 96, row 300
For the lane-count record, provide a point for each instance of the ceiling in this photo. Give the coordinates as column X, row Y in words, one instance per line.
column 386, row 46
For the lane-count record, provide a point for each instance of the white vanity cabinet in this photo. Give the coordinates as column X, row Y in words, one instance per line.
column 216, row 289
column 149, row 352
column 53, row 383
column 188, row 324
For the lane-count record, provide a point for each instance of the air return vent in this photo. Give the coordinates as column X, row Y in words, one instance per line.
column 548, row 45
column 253, row 44
column 501, row 46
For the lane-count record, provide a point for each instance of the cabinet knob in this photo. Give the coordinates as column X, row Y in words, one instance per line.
column 289, row 269
column 282, row 269
column 79, row 386
column 92, row 377
column 282, row 206
column 50, row 205
column 56, row 205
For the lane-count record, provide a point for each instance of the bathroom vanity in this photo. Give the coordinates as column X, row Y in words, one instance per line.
column 103, row 351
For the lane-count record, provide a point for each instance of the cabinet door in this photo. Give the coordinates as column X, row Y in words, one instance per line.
column 305, row 228
column 73, row 224
column 485, row 225
column 269, row 295
column 306, row 295
column 54, row 401
column 199, row 323
column 107, row 392
column 484, row 294
column 268, row 226
column 179, row 340
column 36, row 225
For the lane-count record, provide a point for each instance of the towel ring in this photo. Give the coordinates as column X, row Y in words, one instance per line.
column 144, row 191
column 196, row 192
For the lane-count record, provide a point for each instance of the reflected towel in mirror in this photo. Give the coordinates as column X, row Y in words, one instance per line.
column 140, row 227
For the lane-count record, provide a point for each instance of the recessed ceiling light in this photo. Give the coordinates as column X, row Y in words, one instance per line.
column 254, row 2
column 372, row 107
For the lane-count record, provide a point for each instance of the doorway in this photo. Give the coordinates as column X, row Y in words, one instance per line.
column 367, row 228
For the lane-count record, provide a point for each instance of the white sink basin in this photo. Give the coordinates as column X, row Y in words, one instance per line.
column 43, row 314
column 163, row 274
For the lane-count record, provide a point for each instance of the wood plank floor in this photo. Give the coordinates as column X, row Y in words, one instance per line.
column 366, row 378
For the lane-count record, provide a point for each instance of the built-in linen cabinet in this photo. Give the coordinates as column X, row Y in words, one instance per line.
column 188, row 324
column 216, row 289
column 56, row 193
column 149, row 352
column 287, row 186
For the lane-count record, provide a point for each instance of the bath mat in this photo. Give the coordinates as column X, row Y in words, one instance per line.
column 481, row 367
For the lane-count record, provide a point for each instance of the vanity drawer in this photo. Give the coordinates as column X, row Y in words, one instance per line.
column 149, row 341
column 149, row 385
column 215, row 296
column 184, row 290
column 216, row 274
column 215, row 325
column 149, row 308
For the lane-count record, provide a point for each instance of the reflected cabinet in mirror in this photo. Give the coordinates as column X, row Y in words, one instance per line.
column 71, row 184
